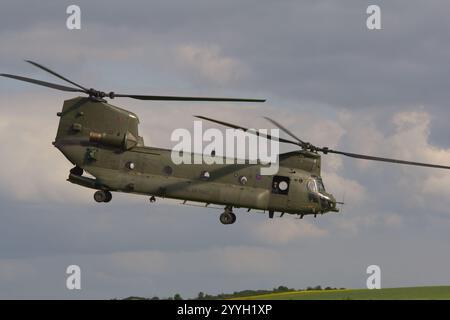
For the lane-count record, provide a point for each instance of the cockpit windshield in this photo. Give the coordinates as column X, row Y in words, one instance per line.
column 316, row 185
column 320, row 186
column 311, row 185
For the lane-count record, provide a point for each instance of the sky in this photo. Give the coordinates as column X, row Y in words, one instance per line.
column 325, row 76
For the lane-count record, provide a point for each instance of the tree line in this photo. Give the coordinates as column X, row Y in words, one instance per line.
column 236, row 294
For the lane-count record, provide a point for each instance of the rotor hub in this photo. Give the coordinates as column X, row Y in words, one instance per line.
column 100, row 94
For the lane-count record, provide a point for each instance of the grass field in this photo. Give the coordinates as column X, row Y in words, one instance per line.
column 412, row 293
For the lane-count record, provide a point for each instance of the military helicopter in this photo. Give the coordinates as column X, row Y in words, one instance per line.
column 103, row 140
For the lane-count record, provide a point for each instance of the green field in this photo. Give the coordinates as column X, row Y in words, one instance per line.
column 412, row 293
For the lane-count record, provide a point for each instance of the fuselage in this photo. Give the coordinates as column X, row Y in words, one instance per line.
column 103, row 140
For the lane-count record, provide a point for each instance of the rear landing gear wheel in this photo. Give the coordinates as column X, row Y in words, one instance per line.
column 102, row 196
column 108, row 196
column 227, row 217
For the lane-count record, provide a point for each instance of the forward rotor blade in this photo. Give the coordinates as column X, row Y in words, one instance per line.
column 288, row 132
column 56, row 74
column 42, row 83
column 266, row 136
column 366, row 157
column 176, row 98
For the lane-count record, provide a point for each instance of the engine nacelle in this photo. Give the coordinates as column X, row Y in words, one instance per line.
column 126, row 141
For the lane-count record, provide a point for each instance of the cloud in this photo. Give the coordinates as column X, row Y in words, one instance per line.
column 409, row 139
column 32, row 169
column 231, row 260
column 351, row 224
column 139, row 262
column 287, row 230
column 12, row 270
column 352, row 190
column 393, row 220
column 246, row 260
column 210, row 63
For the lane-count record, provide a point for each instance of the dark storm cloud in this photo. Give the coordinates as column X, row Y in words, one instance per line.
column 315, row 51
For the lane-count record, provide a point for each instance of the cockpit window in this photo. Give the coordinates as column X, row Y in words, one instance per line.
column 311, row 185
column 320, row 185
column 315, row 185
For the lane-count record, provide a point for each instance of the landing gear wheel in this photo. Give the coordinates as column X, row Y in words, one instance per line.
column 227, row 218
column 102, row 196
column 108, row 196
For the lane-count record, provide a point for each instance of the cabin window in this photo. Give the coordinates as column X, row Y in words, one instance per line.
column 311, row 185
column 205, row 175
column 280, row 185
column 168, row 170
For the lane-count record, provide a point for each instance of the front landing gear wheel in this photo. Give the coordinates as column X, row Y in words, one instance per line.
column 227, row 218
column 102, row 196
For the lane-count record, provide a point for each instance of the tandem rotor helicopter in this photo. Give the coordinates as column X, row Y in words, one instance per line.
column 103, row 140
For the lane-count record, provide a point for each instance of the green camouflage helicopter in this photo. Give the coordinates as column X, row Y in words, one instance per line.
column 103, row 140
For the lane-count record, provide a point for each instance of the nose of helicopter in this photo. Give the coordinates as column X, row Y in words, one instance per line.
column 328, row 203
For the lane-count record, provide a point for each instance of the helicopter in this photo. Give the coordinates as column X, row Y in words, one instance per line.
column 103, row 141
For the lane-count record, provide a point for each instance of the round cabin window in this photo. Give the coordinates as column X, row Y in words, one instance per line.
column 205, row 175
column 130, row 165
column 283, row 185
column 168, row 170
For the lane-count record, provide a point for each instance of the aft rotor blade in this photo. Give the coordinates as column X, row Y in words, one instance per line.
column 56, row 75
column 366, row 157
column 42, row 83
column 288, row 132
column 177, row 98
column 266, row 136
